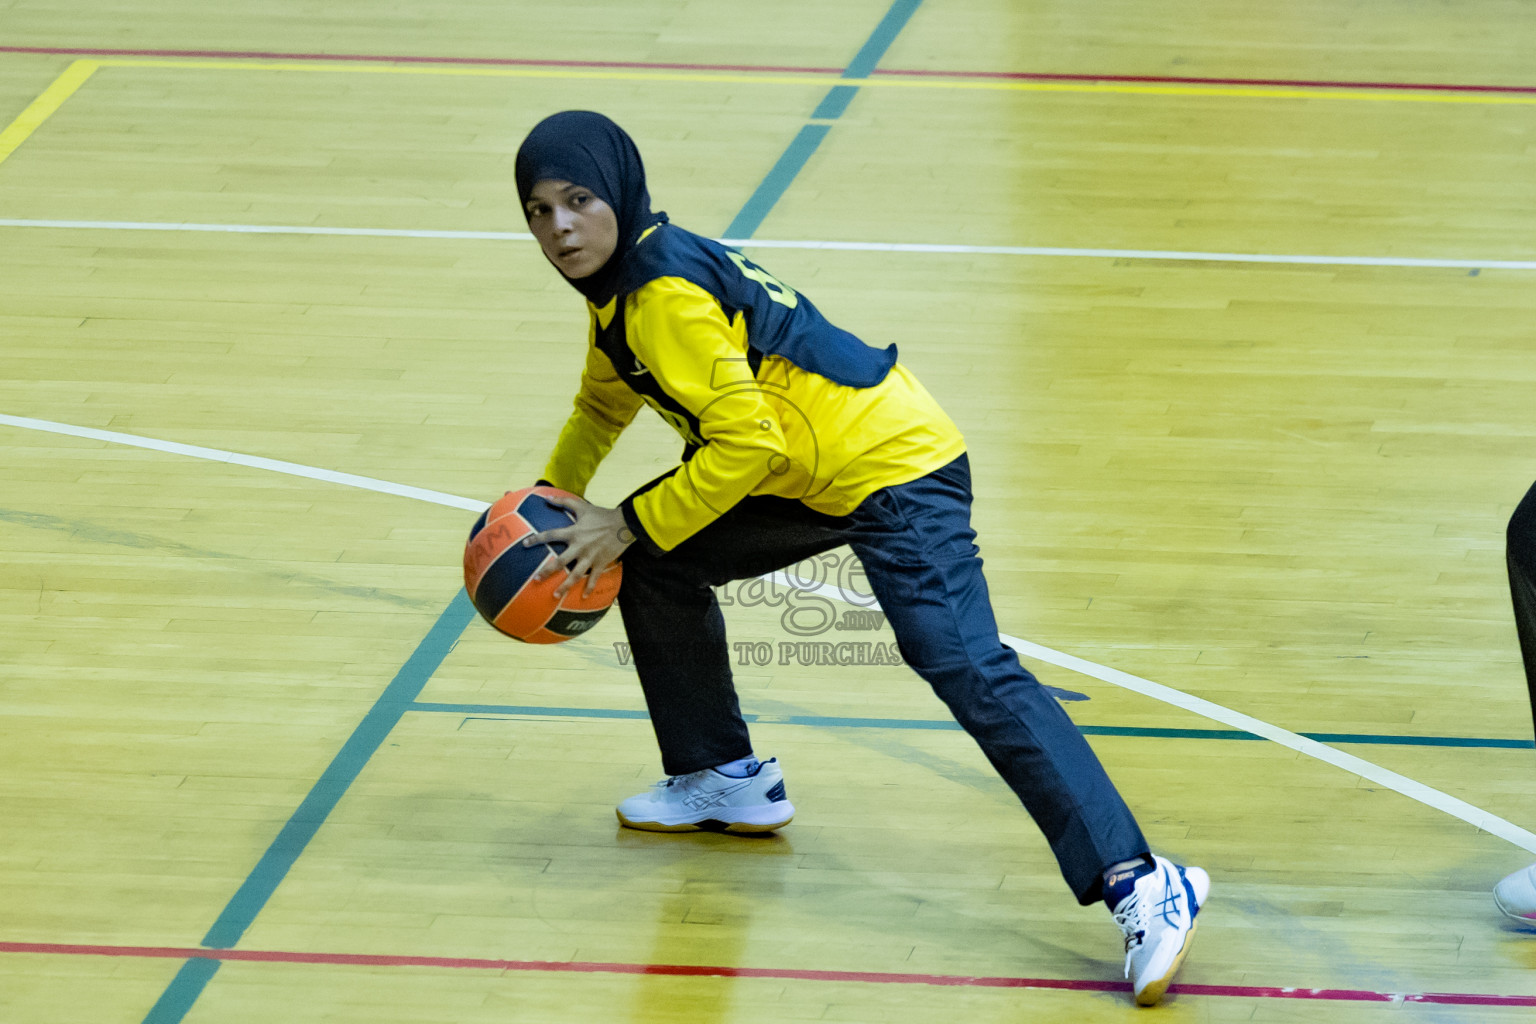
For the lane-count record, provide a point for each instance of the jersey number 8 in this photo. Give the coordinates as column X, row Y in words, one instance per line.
column 777, row 290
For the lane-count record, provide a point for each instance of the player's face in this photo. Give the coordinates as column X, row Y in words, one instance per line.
column 577, row 230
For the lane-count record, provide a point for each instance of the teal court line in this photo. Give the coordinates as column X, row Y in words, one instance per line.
column 195, row 974
column 810, row 135
column 502, row 711
column 241, row 910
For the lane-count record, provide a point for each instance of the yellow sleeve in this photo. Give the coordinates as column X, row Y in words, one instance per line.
column 680, row 332
column 605, row 405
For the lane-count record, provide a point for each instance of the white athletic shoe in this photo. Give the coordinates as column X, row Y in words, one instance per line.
column 1516, row 896
column 1158, row 919
column 710, row 801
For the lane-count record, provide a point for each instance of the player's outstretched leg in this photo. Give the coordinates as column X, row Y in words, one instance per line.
column 920, row 558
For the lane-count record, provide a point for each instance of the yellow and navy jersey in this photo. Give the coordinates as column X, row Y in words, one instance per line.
column 770, row 398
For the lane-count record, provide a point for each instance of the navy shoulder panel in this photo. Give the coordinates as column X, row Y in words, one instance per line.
column 780, row 321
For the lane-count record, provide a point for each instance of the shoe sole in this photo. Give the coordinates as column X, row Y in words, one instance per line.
column 1512, row 914
column 708, row 825
column 1153, row 993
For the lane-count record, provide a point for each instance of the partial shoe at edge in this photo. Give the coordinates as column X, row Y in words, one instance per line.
column 1516, row 896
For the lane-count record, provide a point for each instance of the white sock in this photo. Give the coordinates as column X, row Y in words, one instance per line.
column 738, row 769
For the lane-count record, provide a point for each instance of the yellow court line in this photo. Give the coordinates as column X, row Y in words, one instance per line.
column 477, row 72
column 1244, row 92
column 42, row 108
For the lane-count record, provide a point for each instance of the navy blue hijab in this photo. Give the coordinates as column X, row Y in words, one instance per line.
column 589, row 150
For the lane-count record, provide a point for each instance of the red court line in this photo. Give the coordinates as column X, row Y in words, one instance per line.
column 780, row 974
column 1027, row 76
column 1043, row 76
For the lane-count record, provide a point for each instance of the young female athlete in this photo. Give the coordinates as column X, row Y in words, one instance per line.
column 798, row 438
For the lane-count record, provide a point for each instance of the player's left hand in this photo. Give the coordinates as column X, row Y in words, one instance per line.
column 592, row 543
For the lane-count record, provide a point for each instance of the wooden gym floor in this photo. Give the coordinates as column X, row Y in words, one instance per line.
column 1233, row 303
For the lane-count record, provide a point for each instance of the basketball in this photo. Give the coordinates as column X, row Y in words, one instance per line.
column 498, row 571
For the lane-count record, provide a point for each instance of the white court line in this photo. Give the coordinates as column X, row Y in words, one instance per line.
column 763, row 243
column 1476, row 816
column 1140, row 254
column 1485, row 820
column 367, row 483
column 265, row 229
